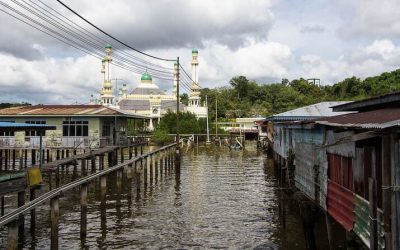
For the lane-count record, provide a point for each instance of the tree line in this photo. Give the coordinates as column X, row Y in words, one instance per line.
column 247, row 98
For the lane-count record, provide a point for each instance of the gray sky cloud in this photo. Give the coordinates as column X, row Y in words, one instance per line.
column 264, row 40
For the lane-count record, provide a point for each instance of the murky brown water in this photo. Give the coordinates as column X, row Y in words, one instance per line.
column 223, row 200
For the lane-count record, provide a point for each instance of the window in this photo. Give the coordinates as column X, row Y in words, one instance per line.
column 35, row 132
column 106, row 131
column 7, row 133
column 75, row 128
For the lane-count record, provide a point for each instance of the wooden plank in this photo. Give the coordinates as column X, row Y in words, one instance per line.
column 373, row 229
column 12, row 186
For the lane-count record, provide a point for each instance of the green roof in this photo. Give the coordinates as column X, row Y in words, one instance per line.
column 146, row 77
column 108, row 46
column 195, row 51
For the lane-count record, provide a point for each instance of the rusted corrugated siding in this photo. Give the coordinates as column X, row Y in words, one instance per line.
column 362, row 222
column 340, row 204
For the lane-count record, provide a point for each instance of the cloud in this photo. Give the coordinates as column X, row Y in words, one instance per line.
column 371, row 19
column 373, row 59
column 312, row 29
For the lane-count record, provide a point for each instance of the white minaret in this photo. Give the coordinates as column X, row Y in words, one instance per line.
column 175, row 79
column 106, row 93
column 194, row 99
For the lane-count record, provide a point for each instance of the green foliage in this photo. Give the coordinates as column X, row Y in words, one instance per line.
column 161, row 137
column 188, row 124
column 246, row 98
column 10, row 105
column 184, row 99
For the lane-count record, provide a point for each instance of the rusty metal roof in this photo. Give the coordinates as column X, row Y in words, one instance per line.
column 63, row 110
column 310, row 112
column 378, row 102
column 378, row 119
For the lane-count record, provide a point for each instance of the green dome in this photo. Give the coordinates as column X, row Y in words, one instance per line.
column 108, row 46
column 146, row 77
column 195, row 51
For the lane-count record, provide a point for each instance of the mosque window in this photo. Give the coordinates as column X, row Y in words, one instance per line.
column 34, row 132
column 75, row 128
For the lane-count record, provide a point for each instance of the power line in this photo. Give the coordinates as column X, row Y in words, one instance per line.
column 77, row 41
column 81, row 38
column 102, row 31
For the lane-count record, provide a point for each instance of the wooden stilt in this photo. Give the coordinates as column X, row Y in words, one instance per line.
column 12, row 242
column 54, row 215
column 21, row 218
column 84, row 204
column 33, row 211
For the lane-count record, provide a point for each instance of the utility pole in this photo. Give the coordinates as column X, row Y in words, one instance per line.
column 216, row 116
column 208, row 130
column 177, row 154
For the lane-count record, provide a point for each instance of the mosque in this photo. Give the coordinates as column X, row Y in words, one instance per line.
column 147, row 98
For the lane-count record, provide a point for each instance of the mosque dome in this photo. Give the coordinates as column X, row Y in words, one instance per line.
column 146, row 77
column 108, row 46
column 195, row 51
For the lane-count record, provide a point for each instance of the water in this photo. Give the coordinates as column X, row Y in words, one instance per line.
column 222, row 200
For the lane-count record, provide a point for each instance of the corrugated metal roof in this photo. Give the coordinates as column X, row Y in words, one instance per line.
column 11, row 126
column 379, row 119
column 310, row 112
column 378, row 102
column 63, row 110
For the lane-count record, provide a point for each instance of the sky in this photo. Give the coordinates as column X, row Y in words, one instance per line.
column 264, row 40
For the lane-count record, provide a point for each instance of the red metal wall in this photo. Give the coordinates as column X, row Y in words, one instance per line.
column 340, row 204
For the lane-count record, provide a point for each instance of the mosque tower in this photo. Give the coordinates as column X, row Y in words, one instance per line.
column 194, row 99
column 106, row 92
column 176, row 72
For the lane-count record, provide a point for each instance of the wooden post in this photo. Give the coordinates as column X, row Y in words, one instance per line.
column 84, row 205
column 130, row 152
column 141, row 148
column 373, row 229
column 2, row 205
column 26, row 158
column 122, row 154
column 328, row 222
column 166, row 163
column 83, row 167
column 21, row 218
column 33, row 211
column 21, row 159
column 13, row 159
column 136, row 151
column 151, row 169
column 137, row 178
column 1, row 159
column 156, row 168
column 161, row 164
column 54, row 214
column 6, row 159
column 144, row 167
column 12, row 242
column 57, row 177
column 93, row 163
column 101, row 161
column 119, row 188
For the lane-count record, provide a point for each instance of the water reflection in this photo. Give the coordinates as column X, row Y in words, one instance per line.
column 222, row 199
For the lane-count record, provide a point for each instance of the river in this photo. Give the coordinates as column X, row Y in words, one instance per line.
column 223, row 200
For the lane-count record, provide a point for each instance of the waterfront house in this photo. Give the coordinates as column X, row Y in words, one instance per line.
column 77, row 126
column 363, row 158
column 287, row 130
